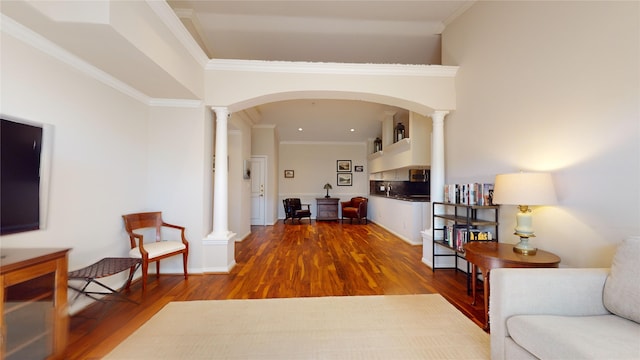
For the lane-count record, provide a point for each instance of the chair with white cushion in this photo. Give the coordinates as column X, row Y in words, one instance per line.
column 154, row 251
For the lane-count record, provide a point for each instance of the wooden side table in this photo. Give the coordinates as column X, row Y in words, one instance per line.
column 327, row 208
column 492, row 255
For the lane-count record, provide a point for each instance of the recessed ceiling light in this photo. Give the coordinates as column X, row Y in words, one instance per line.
column 352, row 130
column 300, row 129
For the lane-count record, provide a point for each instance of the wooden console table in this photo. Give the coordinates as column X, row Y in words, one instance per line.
column 492, row 255
column 327, row 208
column 33, row 289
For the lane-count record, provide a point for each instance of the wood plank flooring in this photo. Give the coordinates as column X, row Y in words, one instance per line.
column 280, row 261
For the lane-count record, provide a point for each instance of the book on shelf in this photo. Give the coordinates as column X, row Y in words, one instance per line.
column 469, row 194
column 457, row 235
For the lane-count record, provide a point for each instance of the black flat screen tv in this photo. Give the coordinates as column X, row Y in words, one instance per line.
column 20, row 150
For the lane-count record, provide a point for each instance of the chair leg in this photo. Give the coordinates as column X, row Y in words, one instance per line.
column 145, row 269
column 184, row 264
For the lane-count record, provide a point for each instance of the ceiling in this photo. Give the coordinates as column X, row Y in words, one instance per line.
column 395, row 32
column 358, row 31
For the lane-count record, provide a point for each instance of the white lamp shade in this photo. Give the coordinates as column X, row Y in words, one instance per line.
column 524, row 189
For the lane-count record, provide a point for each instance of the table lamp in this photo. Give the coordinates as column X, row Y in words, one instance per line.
column 327, row 186
column 524, row 189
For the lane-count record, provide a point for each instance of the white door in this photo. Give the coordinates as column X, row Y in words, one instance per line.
column 258, row 190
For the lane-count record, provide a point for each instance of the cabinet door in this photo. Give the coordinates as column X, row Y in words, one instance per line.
column 29, row 310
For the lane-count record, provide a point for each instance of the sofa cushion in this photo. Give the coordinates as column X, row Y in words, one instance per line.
column 576, row 337
column 622, row 288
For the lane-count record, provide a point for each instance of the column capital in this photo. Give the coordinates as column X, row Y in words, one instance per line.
column 438, row 115
column 221, row 111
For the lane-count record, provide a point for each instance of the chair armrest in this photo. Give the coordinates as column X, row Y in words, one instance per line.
column 572, row 292
column 137, row 241
column 362, row 208
column 344, row 204
column 181, row 228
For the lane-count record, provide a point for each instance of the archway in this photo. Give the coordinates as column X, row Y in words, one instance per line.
column 240, row 85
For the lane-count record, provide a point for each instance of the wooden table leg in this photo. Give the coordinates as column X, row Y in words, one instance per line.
column 485, row 277
column 473, row 283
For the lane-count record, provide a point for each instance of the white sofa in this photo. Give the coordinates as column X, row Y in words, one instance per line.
column 568, row 313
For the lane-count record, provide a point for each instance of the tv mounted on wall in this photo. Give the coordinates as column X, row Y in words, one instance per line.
column 23, row 177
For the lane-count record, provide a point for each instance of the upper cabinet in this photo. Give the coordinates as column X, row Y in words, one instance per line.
column 413, row 151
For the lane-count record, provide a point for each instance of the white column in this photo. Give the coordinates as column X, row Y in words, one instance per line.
column 437, row 156
column 221, row 176
column 218, row 246
column 436, row 181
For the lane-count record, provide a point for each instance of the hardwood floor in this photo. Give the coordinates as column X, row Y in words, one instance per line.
column 292, row 260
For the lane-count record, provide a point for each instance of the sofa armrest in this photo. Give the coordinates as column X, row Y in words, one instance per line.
column 572, row 292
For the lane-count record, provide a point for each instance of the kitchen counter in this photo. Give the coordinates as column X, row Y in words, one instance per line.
column 411, row 198
column 403, row 216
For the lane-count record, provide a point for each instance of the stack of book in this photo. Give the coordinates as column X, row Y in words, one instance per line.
column 457, row 236
column 469, row 194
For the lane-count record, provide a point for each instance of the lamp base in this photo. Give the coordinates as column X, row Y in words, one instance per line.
column 327, row 196
column 523, row 247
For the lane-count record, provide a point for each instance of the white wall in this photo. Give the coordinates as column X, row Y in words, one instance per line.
column 99, row 157
column 314, row 164
column 176, row 177
column 552, row 86
column 239, row 188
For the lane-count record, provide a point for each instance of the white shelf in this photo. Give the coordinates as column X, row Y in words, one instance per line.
column 375, row 155
column 400, row 146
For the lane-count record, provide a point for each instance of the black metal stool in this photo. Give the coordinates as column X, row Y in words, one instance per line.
column 103, row 268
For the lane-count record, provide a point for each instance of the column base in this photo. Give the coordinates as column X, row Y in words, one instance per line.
column 219, row 252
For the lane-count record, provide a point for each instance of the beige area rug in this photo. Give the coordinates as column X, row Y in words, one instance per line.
column 346, row 327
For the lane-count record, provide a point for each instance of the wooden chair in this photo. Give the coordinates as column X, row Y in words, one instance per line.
column 356, row 208
column 158, row 249
column 293, row 210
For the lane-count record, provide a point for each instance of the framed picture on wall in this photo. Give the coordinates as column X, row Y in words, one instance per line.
column 288, row 174
column 344, row 166
column 345, row 179
column 358, row 168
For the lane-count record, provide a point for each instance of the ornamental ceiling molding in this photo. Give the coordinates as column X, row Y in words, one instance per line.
column 331, row 68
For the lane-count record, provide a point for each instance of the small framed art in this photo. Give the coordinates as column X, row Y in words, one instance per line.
column 344, row 165
column 358, row 168
column 288, row 174
column 345, row 179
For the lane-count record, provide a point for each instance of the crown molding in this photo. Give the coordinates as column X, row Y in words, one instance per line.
column 331, row 68
column 28, row 36
column 173, row 23
column 37, row 41
column 285, row 142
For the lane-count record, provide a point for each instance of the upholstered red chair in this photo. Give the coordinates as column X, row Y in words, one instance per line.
column 154, row 251
column 356, row 208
